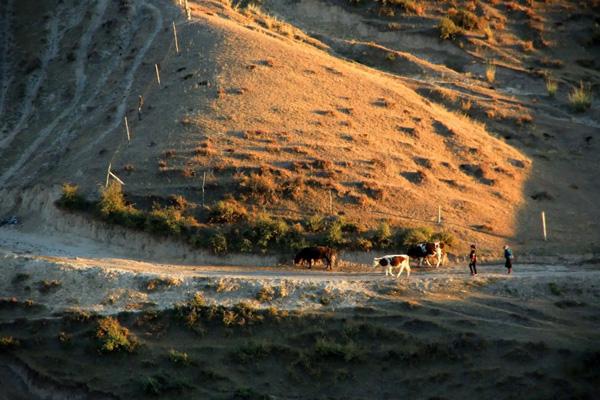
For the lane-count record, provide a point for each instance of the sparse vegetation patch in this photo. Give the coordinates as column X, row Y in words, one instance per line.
column 112, row 336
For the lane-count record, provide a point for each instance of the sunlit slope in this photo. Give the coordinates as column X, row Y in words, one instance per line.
column 239, row 101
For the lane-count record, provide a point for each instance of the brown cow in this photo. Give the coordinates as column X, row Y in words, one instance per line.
column 312, row 254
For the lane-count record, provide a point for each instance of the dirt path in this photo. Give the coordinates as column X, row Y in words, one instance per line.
column 56, row 32
column 80, row 84
column 129, row 77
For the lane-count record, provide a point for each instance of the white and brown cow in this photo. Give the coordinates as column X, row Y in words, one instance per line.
column 390, row 262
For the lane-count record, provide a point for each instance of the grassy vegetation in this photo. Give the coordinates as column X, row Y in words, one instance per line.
column 580, row 98
column 305, row 354
column 9, row 342
column 551, row 87
column 179, row 357
column 490, row 73
column 465, row 19
column 448, row 29
column 113, row 337
column 554, row 289
column 230, row 228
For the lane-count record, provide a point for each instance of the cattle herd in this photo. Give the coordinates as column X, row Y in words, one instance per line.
column 422, row 252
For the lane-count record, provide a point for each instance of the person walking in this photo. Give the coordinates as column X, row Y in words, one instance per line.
column 473, row 260
column 508, row 256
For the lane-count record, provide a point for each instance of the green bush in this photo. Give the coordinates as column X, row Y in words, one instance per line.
column 112, row 200
column 114, row 337
column 315, row 223
column 383, row 236
column 334, row 235
column 415, row 235
column 71, row 199
column 227, row 211
column 218, row 243
column 448, row 29
column 269, row 232
column 169, row 221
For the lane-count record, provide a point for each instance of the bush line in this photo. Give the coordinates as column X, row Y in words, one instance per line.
column 230, row 228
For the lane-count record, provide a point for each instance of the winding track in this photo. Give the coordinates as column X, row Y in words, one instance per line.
column 125, row 39
column 81, row 80
column 68, row 116
column 56, row 32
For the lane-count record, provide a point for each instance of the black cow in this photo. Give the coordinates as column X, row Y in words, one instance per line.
column 312, row 254
column 422, row 251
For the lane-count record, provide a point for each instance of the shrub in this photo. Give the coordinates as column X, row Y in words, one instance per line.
column 334, row 235
column 265, row 294
column 178, row 201
column 9, row 342
column 161, row 283
column 554, row 289
column 383, row 236
column 114, row 337
column 260, row 188
column 448, row 29
column 269, row 232
column 169, row 221
column 252, row 351
column 465, row 19
column 551, row 87
column 364, row 244
column 330, row 349
column 159, row 384
column 178, row 357
column 218, row 243
column 227, row 211
column 111, row 199
column 46, row 286
column 416, row 235
column 409, row 6
column 580, row 98
column 71, row 198
column 64, row 338
column 315, row 223
column 490, row 73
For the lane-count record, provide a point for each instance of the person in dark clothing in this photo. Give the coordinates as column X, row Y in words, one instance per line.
column 508, row 256
column 473, row 260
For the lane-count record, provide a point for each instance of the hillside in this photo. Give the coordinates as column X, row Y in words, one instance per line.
column 349, row 103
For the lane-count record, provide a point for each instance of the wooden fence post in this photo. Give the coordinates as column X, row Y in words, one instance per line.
column 203, row 181
column 107, row 174
column 127, row 130
column 175, row 35
column 544, row 225
column 157, row 74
